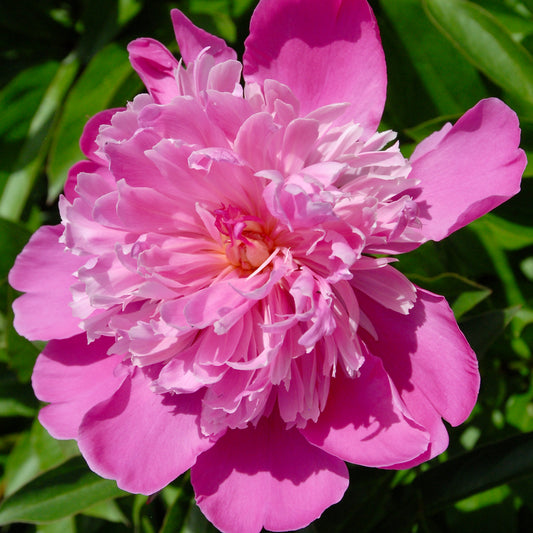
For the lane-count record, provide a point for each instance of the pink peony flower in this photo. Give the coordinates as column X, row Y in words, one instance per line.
column 220, row 294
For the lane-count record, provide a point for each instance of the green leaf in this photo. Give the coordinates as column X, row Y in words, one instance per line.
column 421, row 131
column 62, row 492
column 13, row 238
column 515, row 20
column 66, row 525
column 21, row 181
column 519, row 411
column 456, row 479
column 505, row 234
column 108, row 510
column 19, row 101
column 462, row 293
column 33, row 454
column 16, row 399
column 179, row 508
column 453, row 84
column 92, row 93
column 486, row 43
column 482, row 330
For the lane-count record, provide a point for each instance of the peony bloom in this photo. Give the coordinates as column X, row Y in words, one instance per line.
column 220, row 294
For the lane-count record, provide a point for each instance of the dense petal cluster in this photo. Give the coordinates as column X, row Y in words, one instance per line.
column 221, row 295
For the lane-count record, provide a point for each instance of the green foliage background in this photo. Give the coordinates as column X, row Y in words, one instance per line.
column 63, row 61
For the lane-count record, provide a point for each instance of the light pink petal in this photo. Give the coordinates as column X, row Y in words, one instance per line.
column 365, row 421
column 74, row 376
column 387, row 286
column 91, row 130
column 468, row 169
column 192, row 40
column 85, row 167
column 326, row 52
column 184, row 119
column 425, row 351
column 156, row 67
column 141, row 439
column 44, row 271
column 266, row 476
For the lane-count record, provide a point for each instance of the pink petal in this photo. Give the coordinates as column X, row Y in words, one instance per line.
column 425, row 352
column 44, row 271
column 468, row 169
column 156, row 67
column 326, row 52
column 86, row 167
column 74, row 376
column 91, row 130
column 192, row 40
column 266, row 476
column 387, row 286
column 365, row 421
column 141, row 439
column 424, row 413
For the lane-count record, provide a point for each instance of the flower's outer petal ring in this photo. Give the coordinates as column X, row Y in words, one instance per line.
column 74, row 376
column 141, row 439
column 156, row 67
column 466, row 170
column 326, row 51
column 425, row 351
column 266, row 476
column 44, row 271
column 192, row 40
column 365, row 422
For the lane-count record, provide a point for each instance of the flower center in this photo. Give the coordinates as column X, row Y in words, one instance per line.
column 247, row 244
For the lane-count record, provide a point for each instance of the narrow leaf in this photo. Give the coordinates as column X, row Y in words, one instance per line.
column 486, row 43
column 69, row 489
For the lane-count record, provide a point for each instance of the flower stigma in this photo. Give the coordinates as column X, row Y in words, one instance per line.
column 247, row 244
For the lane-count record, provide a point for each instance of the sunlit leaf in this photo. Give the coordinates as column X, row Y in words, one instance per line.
column 35, row 453
column 452, row 82
column 107, row 510
column 486, row 43
column 59, row 493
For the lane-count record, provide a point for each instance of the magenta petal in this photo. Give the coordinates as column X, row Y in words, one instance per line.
column 426, row 352
column 326, row 52
column 44, row 271
column 266, row 476
column 141, row 439
column 156, row 67
column 365, row 421
column 424, row 413
column 91, row 130
column 74, row 376
column 192, row 40
column 468, row 169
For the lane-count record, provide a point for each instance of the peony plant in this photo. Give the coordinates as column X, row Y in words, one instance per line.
column 220, row 294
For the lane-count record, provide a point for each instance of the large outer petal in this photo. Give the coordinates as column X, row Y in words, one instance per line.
column 74, row 377
column 141, row 439
column 44, row 271
column 266, row 476
column 365, row 422
column 325, row 51
column 426, row 355
column 468, row 169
